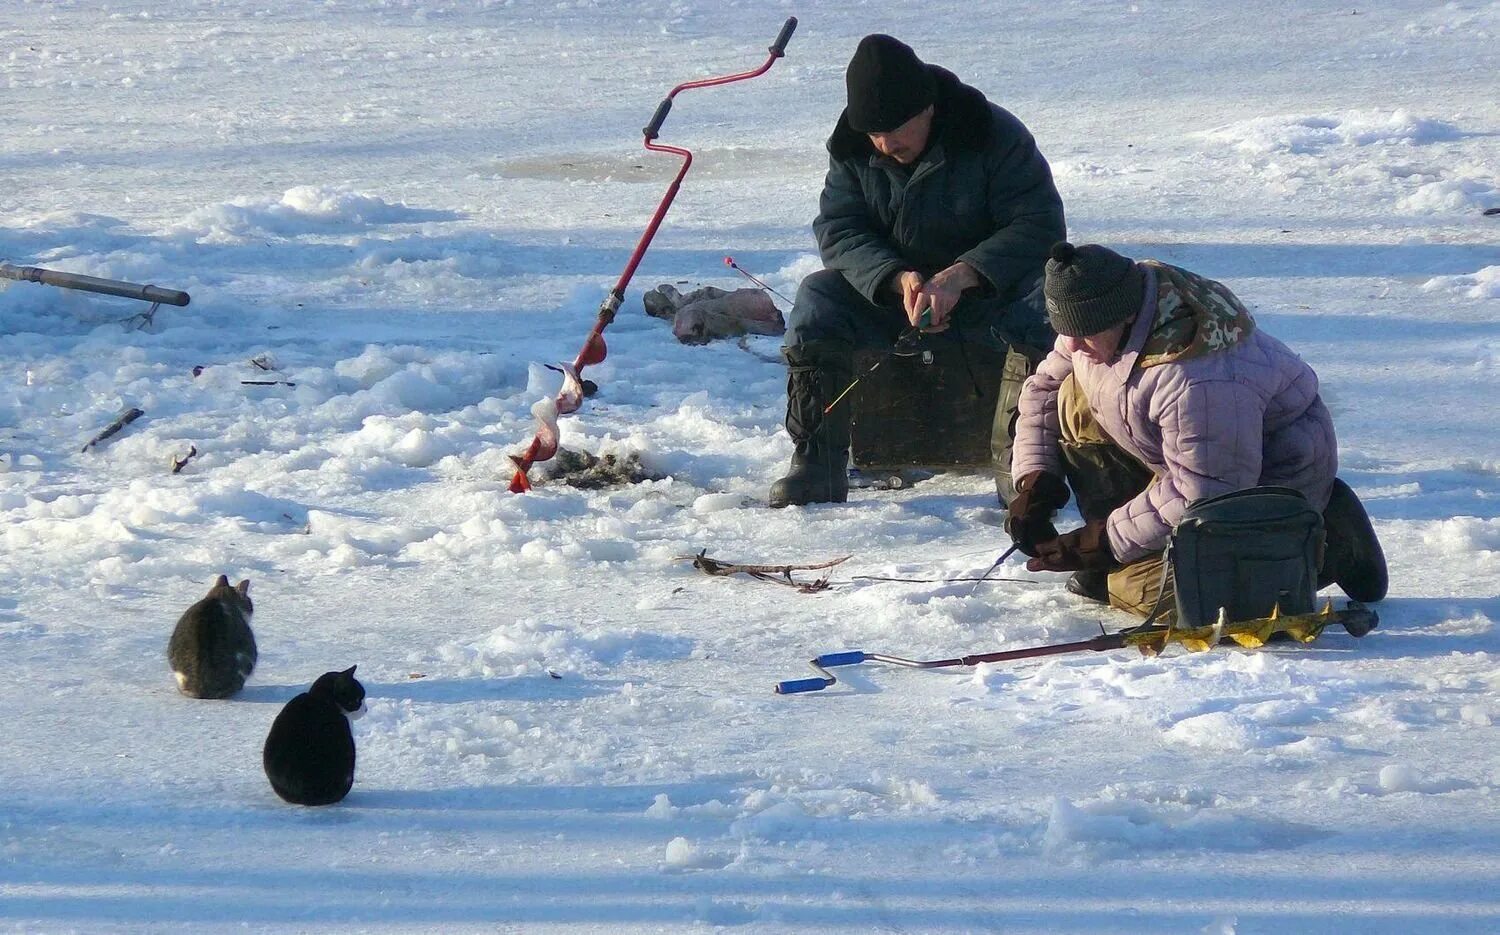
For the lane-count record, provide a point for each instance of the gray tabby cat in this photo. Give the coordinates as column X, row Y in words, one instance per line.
column 212, row 650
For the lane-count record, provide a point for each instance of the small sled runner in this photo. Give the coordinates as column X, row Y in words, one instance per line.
column 1245, row 570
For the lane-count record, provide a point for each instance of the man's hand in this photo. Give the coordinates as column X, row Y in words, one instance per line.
column 908, row 286
column 1083, row 549
column 943, row 291
column 1029, row 520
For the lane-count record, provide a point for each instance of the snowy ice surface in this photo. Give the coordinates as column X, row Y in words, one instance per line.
column 407, row 207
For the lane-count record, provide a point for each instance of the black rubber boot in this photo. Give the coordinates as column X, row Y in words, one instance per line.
column 816, row 374
column 1091, row 585
column 1352, row 557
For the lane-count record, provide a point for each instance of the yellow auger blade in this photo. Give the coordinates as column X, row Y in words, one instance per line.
column 1255, row 633
column 1252, row 637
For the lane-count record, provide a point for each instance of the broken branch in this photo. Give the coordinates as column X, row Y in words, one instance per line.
column 122, row 420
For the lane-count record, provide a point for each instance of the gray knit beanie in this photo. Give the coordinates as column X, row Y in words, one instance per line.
column 1091, row 289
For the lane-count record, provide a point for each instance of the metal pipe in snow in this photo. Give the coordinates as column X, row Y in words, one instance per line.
column 128, row 290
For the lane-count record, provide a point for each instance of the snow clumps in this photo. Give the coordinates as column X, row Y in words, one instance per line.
column 304, row 209
column 1484, row 284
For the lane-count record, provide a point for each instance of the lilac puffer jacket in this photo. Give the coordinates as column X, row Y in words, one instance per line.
column 1200, row 396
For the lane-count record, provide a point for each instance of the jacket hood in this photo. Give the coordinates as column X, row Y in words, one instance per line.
column 962, row 119
column 1195, row 317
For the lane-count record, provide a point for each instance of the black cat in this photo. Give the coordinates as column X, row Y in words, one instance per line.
column 212, row 650
column 309, row 754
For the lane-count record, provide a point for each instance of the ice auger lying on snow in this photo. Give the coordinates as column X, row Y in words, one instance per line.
column 544, row 444
column 1150, row 640
column 1241, row 567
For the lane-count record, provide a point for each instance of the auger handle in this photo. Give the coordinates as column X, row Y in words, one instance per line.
column 824, row 679
column 850, row 658
column 798, row 686
column 778, row 48
column 657, row 119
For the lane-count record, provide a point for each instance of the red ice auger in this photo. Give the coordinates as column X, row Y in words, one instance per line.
column 544, row 444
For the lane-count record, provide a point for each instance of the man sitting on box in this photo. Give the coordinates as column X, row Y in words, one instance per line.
column 1160, row 391
column 937, row 213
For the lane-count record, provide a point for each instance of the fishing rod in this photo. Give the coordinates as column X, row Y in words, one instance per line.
column 729, row 262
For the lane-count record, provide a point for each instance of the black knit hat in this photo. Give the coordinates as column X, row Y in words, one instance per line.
column 1091, row 289
column 888, row 85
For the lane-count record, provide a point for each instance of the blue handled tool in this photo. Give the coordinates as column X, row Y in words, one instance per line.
column 821, row 663
column 853, row 657
column 1150, row 639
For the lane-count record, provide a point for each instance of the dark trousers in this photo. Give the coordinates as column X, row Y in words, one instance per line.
column 831, row 313
column 830, row 310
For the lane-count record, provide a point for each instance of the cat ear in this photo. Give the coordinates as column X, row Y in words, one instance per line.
column 243, row 587
column 223, row 582
column 349, row 671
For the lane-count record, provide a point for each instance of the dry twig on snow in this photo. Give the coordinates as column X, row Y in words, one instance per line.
column 122, row 420
column 776, row 574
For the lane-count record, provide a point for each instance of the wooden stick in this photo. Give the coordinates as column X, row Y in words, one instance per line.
column 714, row 566
column 124, row 419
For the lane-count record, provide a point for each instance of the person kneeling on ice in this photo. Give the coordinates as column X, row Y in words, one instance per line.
column 937, row 211
column 1161, row 391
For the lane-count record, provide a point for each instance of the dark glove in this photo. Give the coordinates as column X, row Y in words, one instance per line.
column 1084, row 549
column 1038, row 495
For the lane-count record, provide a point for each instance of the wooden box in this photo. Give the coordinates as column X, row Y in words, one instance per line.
column 922, row 409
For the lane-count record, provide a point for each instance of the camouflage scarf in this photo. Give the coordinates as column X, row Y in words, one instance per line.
column 1194, row 317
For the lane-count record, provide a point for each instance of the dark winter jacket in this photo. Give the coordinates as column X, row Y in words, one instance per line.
column 981, row 193
column 1200, row 396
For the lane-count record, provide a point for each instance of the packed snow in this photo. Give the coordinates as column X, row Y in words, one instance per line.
column 393, row 214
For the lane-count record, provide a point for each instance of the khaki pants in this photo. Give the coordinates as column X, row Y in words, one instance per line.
column 1103, row 476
